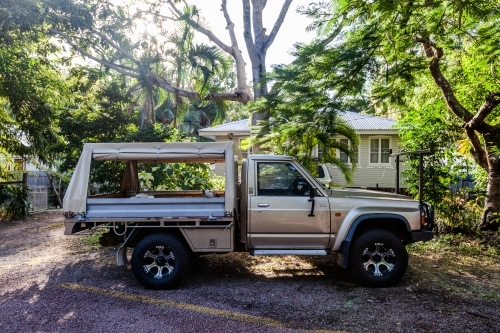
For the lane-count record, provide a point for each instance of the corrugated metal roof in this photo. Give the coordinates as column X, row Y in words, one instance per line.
column 234, row 126
column 363, row 122
column 358, row 121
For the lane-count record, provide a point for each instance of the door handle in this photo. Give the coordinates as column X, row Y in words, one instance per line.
column 263, row 205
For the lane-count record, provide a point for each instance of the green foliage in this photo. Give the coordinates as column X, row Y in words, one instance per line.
column 217, row 182
column 101, row 112
column 5, row 194
column 302, row 116
column 149, row 60
column 105, row 176
column 371, row 50
column 205, row 69
column 457, row 244
column 201, row 115
column 457, row 213
column 447, row 168
column 237, row 111
column 6, row 164
column 374, row 51
column 31, row 93
column 17, row 205
column 177, row 176
column 31, row 88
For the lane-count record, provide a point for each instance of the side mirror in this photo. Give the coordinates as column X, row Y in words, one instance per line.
column 312, row 192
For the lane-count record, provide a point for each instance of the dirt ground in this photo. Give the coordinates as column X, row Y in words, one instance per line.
column 55, row 283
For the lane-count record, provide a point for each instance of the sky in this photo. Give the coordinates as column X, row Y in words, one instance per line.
column 292, row 30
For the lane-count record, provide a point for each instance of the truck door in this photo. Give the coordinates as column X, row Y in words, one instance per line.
column 279, row 210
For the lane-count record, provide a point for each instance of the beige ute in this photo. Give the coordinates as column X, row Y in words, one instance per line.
column 274, row 206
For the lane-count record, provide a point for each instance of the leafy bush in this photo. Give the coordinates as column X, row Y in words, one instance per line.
column 18, row 205
column 458, row 207
column 5, row 194
column 217, row 182
column 456, row 214
column 179, row 176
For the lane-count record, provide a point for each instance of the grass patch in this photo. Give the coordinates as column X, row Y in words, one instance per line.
column 93, row 240
column 457, row 264
column 53, row 226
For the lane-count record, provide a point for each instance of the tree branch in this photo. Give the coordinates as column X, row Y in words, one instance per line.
column 115, row 46
column 201, row 29
column 259, row 32
column 473, row 122
column 230, row 24
column 478, row 151
column 103, row 62
column 237, row 96
column 277, row 24
column 157, row 14
column 334, row 33
column 247, row 33
column 162, row 83
column 492, row 101
column 436, row 53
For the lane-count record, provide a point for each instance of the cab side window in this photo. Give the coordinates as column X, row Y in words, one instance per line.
column 280, row 178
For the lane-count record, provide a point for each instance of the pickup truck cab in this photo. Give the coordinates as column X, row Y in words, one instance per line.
column 273, row 207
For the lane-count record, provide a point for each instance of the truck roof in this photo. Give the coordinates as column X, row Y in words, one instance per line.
column 271, row 157
column 204, row 152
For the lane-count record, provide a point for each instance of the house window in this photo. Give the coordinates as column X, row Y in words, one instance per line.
column 343, row 156
column 379, row 150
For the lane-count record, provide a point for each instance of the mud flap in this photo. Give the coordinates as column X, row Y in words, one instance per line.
column 121, row 256
column 343, row 254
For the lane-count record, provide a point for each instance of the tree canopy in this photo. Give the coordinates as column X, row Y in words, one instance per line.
column 31, row 87
column 387, row 49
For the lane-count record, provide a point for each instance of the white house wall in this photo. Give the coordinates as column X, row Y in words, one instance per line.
column 219, row 167
column 371, row 175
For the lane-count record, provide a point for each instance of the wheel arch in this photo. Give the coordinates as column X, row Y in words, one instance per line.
column 394, row 223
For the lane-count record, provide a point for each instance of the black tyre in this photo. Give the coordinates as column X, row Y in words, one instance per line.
column 160, row 261
column 378, row 258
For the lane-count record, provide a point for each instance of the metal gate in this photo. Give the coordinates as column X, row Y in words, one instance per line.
column 39, row 197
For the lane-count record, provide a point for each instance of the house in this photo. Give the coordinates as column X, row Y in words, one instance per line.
column 375, row 168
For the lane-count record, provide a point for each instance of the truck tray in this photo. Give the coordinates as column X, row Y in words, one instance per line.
column 155, row 207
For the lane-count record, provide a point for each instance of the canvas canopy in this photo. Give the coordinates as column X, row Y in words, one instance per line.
column 150, row 152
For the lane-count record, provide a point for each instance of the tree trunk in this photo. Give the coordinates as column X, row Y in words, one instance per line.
column 176, row 109
column 147, row 114
column 54, row 190
column 491, row 218
column 259, row 84
column 258, row 43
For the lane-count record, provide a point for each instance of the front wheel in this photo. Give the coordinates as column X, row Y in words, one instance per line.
column 378, row 258
column 159, row 261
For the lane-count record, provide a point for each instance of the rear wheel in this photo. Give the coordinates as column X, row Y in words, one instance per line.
column 378, row 258
column 160, row 261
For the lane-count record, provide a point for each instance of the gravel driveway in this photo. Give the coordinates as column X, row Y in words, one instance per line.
column 55, row 283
